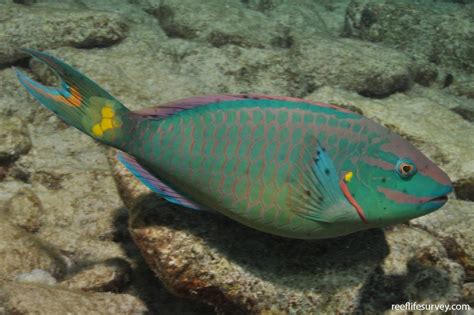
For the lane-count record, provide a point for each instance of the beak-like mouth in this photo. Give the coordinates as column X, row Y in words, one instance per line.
column 440, row 199
column 443, row 197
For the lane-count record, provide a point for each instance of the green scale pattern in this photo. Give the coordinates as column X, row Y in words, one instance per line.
column 242, row 157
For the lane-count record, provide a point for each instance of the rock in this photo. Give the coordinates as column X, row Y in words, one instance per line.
column 149, row 6
column 263, row 5
column 131, row 10
column 234, row 69
column 28, row 298
column 452, row 224
column 24, row 209
column 425, row 73
column 353, row 65
column 417, row 269
column 443, row 37
column 463, row 87
column 22, row 252
column 36, row 276
column 22, row 26
column 109, row 276
column 308, row 17
column 196, row 255
column 80, row 250
column 436, row 135
column 466, row 112
column 181, row 69
column 72, row 179
column 14, row 139
column 14, row 101
column 231, row 23
column 469, row 293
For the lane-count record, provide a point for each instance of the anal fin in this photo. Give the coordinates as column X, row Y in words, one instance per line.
column 154, row 183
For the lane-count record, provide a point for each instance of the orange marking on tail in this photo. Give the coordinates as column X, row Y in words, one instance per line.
column 75, row 99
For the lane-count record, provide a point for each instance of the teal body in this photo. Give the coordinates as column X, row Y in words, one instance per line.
column 280, row 165
column 243, row 158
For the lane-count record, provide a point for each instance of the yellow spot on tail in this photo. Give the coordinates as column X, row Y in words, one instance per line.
column 97, row 131
column 108, row 121
column 348, row 177
column 107, row 112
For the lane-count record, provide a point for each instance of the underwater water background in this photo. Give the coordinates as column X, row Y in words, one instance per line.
column 79, row 234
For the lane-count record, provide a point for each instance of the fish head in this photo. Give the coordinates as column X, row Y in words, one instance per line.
column 394, row 182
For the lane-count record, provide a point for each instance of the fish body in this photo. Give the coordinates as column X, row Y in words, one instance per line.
column 281, row 165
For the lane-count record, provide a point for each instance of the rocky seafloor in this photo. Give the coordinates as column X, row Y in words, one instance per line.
column 78, row 234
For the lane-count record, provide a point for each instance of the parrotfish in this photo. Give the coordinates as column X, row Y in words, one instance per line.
column 282, row 165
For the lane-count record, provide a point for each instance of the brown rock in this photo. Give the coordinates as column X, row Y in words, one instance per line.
column 109, row 276
column 453, row 226
column 469, row 293
column 29, row 298
column 232, row 23
column 14, row 138
column 442, row 36
column 24, row 209
column 353, row 65
column 22, row 26
column 22, row 252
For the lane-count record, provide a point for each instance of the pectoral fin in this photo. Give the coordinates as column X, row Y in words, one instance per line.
column 316, row 194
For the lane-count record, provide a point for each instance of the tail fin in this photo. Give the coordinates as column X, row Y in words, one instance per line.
column 78, row 101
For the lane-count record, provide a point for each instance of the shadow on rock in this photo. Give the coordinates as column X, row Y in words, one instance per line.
column 145, row 285
column 212, row 258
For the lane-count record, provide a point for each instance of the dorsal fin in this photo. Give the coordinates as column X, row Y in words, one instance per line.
column 171, row 108
column 168, row 109
column 154, row 183
column 255, row 96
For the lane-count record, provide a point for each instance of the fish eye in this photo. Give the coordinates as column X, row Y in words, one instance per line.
column 405, row 168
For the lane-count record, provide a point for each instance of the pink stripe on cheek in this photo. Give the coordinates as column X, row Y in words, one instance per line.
column 401, row 197
column 378, row 163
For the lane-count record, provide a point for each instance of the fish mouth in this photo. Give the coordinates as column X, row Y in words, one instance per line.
column 435, row 203
column 440, row 199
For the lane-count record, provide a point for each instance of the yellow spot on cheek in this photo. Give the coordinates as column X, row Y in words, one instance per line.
column 107, row 112
column 106, row 123
column 348, row 177
column 97, row 130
